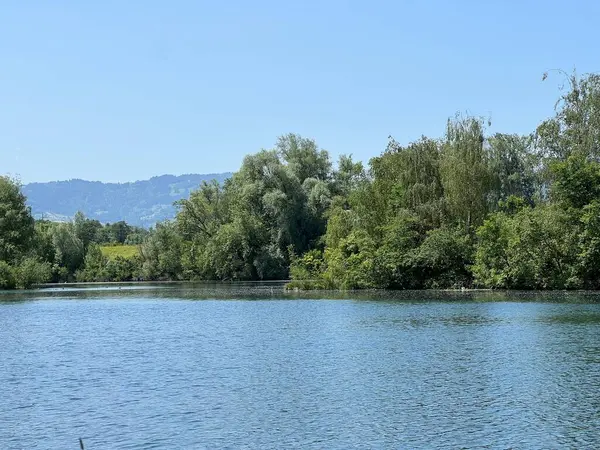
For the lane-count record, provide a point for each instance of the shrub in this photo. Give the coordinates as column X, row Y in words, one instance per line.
column 7, row 276
column 32, row 271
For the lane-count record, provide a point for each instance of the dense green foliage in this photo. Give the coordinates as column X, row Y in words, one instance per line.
column 34, row 252
column 466, row 210
column 19, row 264
column 16, row 223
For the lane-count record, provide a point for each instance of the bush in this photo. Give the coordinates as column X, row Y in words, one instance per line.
column 307, row 267
column 443, row 259
column 32, row 271
column 7, row 276
column 123, row 269
column 350, row 265
column 536, row 248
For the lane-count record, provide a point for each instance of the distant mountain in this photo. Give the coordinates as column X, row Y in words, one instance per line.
column 141, row 203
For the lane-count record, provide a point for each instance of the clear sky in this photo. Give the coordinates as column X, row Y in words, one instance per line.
column 119, row 90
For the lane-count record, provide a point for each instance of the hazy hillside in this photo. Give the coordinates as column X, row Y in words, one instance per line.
column 139, row 203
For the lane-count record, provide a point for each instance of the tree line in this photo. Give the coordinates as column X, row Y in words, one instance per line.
column 40, row 251
column 469, row 209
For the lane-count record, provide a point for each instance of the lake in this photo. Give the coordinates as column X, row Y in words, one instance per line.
column 248, row 366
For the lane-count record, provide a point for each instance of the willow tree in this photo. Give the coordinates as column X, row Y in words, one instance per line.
column 416, row 177
column 569, row 143
column 465, row 173
column 575, row 129
column 304, row 157
column 513, row 168
column 200, row 216
column 70, row 251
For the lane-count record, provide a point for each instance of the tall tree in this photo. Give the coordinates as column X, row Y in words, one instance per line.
column 70, row 252
column 304, row 157
column 16, row 222
column 348, row 175
column 409, row 178
column 86, row 230
column 201, row 215
column 576, row 125
column 162, row 253
column 513, row 168
column 465, row 173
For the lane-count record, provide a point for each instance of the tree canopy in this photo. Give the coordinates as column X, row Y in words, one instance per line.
column 467, row 209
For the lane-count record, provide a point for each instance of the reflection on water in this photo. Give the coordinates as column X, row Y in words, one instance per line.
column 275, row 290
column 141, row 366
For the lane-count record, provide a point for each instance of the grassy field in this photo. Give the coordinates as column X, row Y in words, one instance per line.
column 125, row 251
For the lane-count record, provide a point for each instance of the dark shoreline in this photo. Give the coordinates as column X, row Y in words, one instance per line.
column 283, row 283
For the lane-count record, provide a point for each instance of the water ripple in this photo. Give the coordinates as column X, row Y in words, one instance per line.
column 150, row 373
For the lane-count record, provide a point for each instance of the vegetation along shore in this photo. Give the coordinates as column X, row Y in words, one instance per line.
column 467, row 210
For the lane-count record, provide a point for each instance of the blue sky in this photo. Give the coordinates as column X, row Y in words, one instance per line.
column 125, row 90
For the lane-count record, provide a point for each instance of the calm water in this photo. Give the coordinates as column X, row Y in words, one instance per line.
column 175, row 366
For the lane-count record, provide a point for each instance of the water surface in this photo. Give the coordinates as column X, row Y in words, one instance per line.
column 248, row 366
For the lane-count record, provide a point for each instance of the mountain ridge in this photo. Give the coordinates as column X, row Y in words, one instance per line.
column 142, row 202
column 163, row 176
